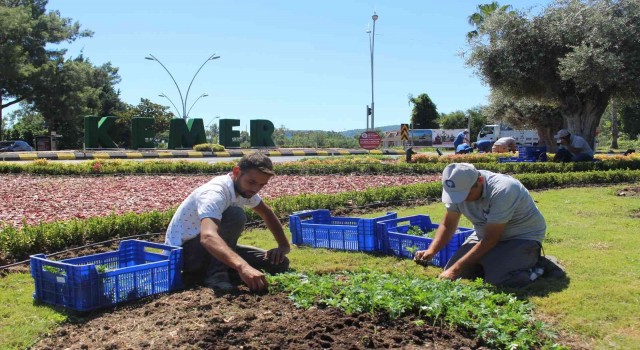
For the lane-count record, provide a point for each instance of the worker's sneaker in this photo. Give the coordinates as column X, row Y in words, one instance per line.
column 219, row 281
column 551, row 266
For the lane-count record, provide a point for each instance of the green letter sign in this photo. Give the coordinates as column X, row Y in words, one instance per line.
column 261, row 132
column 228, row 137
column 96, row 132
column 141, row 134
column 186, row 134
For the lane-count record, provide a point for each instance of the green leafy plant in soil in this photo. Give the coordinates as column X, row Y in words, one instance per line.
column 499, row 320
column 414, row 230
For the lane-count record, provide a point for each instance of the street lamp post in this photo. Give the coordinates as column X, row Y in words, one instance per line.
column 184, row 101
column 194, row 102
column 174, row 105
column 372, row 40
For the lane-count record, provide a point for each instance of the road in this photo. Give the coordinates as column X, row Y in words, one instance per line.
column 275, row 159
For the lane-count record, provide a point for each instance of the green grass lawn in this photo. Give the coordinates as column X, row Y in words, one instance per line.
column 594, row 232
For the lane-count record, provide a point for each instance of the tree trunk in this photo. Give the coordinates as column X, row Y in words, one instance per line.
column 547, row 138
column 582, row 113
column 614, row 124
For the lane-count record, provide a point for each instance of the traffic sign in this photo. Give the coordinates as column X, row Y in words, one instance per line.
column 404, row 132
column 370, row 140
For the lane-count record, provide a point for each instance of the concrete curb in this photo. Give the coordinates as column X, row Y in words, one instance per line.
column 86, row 155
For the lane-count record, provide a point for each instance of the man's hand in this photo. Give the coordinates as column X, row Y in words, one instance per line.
column 449, row 274
column 423, row 256
column 253, row 278
column 276, row 255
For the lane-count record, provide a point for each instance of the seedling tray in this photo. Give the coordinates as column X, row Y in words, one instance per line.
column 137, row 269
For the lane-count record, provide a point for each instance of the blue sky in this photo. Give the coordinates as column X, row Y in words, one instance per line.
column 299, row 64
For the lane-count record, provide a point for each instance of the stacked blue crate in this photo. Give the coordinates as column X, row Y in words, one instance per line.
column 318, row 229
column 527, row 154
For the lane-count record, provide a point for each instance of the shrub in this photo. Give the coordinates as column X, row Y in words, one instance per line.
column 208, row 147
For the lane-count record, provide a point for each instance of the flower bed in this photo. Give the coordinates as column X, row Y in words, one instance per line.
column 34, row 199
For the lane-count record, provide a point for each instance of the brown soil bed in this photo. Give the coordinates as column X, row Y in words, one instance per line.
column 629, row 191
column 200, row 319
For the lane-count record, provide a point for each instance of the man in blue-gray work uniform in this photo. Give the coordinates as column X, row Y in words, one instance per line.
column 462, row 137
column 509, row 228
column 483, row 146
column 573, row 148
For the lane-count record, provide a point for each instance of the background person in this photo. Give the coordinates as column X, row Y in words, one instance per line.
column 573, row 148
column 464, row 148
column 210, row 220
column 483, row 146
column 462, row 137
column 409, row 153
column 509, row 228
column 504, row 145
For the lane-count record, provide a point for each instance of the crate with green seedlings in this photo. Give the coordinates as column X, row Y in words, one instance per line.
column 405, row 236
column 137, row 269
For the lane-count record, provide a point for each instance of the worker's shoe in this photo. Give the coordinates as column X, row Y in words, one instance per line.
column 552, row 267
column 219, row 281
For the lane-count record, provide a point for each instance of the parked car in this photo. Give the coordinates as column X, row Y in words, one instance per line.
column 15, row 146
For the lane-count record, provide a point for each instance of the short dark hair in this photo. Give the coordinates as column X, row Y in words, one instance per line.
column 258, row 161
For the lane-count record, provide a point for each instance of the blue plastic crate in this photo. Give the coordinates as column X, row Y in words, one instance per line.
column 533, row 153
column 318, row 229
column 396, row 242
column 137, row 269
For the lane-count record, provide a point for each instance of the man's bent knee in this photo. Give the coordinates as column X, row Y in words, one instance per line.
column 232, row 225
column 514, row 279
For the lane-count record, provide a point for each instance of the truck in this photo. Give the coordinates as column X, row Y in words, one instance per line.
column 492, row 132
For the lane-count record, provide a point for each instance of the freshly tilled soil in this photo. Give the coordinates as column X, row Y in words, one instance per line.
column 201, row 319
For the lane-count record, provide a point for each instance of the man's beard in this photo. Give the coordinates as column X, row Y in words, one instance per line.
column 236, row 187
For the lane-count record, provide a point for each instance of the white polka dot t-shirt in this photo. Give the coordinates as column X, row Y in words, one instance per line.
column 206, row 201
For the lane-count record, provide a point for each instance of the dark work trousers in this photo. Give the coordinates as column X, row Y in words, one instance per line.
column 507, row 264
column 199, row 263
column 563, row 155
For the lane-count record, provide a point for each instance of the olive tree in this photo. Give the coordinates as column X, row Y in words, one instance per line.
column 525, row 113
column 573, row 54
column 27, row 32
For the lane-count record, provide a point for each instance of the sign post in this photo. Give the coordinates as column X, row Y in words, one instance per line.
column 369, row 140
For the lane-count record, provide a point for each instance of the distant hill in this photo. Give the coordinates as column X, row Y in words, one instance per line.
column 348, row 133
column 354, row 132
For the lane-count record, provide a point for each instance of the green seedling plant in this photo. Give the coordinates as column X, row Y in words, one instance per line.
column 415, row 230
column 412, row 249
column 102, row 268
column 498, row 320
column 54, row 270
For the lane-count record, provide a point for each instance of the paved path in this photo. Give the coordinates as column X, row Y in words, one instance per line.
column 182, row 154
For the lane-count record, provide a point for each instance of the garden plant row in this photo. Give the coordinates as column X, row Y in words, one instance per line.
column 346, row 165
column 499, row 320
column 19, row 243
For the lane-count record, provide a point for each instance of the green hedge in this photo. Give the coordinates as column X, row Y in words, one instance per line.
column 17, row 244
column 328, row 166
